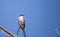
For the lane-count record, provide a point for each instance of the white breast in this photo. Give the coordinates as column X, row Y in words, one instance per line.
column 21, row 18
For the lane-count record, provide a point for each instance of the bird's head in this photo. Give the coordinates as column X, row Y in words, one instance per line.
column 21, row 15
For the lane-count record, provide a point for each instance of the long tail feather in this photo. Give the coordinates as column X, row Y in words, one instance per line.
column 17, row 31
column 24, row 33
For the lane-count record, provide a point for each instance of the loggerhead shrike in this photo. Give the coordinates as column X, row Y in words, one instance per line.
column 21, row 23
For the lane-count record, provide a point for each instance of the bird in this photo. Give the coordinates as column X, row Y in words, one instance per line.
column 21, row 22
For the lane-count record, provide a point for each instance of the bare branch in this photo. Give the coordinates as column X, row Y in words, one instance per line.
column 58, row 34
column 6, row 31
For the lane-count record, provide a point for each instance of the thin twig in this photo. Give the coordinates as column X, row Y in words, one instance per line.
column 6, row 31
column 58, row 34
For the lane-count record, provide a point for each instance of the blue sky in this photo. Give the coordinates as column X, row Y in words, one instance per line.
column 41, row 17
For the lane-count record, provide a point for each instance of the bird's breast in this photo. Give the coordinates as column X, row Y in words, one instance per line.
column 21, row 22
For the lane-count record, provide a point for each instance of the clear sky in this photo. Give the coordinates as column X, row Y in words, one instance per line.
column 41, row 17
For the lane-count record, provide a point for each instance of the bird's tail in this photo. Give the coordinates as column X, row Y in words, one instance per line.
column 24, row 33
column 17, row 31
